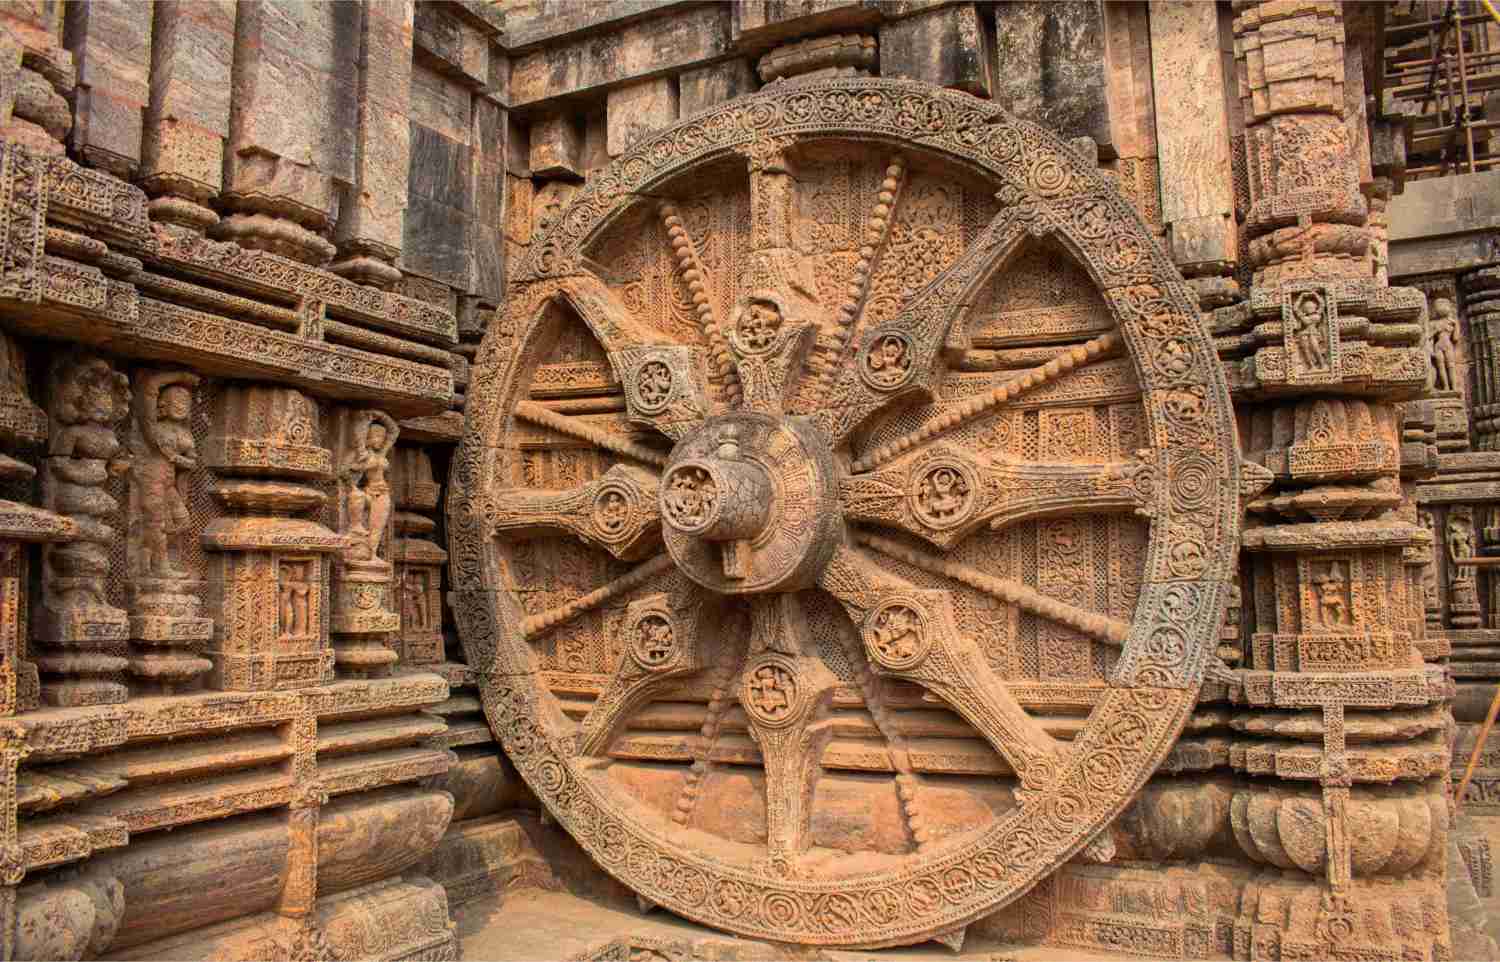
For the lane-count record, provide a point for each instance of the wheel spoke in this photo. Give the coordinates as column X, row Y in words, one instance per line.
column 573, row 427
column 909, row 633
column 786, row 693
column 617, row 512
column 540, row 624
column 1102, row 628
column 661, row 643
column 1099, row 348
column 827, row 358
column 944, row 494
column 772, row 325
column 663, row 387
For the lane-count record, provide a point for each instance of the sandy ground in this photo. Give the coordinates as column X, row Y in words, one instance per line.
column 530, row 924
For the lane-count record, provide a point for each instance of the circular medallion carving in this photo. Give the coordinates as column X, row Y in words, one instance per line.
column 653, row 386
column 652, row 642
column 690, row 498
column 897, row 634
column 842, row 546
column 943, row 493
column 770, row 694
column 759, row 325
column 612, row 511
column 886, row 362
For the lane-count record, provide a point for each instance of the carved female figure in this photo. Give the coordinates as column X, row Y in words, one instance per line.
column 1308, row 333
column 164, row 455
column 1460, row 543
column 1444, row 347
column 365, row 489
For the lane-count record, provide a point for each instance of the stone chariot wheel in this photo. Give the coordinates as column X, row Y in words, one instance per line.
column 845, row 512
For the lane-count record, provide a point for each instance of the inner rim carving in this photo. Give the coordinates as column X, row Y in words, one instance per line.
column 921, row 553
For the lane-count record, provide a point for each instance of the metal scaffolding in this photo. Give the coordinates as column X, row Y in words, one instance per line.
column 1442, row 70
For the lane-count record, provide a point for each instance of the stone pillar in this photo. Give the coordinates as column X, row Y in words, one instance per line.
column 187, row 113
column 1192, row 136
column 294, row 64
column 372, row 217
column 37, row 77
column 21, row 423
column 1337, row 641
column 269, row 571
column 111, row 42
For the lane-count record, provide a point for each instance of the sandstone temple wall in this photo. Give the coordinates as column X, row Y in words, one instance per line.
column 249, row 252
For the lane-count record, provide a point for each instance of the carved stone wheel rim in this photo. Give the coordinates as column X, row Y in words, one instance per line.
column 1186, row 483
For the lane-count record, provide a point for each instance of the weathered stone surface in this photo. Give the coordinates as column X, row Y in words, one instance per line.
column 641, row 49
column 111, row 46
column 556, row 145
column 1051, row 66
column 851, row 514
column 653, row 657
column 949, row 46
column 638, row 110
column 1192, row 136
column 705, row 87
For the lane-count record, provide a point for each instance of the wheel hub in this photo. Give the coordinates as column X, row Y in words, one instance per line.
column 749, row 504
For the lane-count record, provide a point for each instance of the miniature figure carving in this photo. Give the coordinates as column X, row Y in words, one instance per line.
column 83, row 455
column 888, row 361
column 1308, row 331
column 943, row 495
column 771, row 692
column 1460, row 543
column 163, row 457
column 653, row 641
column 1332, row 587
column 296, row 599
column 896, row 633
column 759, row 323
column 1444, row 347
column 690, row 497
column 414, row 601
column 654, row 384
column 365, row 489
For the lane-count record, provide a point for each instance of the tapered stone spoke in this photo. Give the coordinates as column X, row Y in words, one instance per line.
column 539, row 624
column 786, row 692
column 771, row 327
column 616, row 512
column 660, row 642
column 1102, row 628
column 828, row 355
column 584, row 431
column 909, row 633
column 943, row 494
column 1096, row 349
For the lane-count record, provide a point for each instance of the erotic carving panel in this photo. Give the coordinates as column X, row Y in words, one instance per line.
column 790, row 547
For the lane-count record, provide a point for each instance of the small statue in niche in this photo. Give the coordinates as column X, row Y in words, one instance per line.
column 414, row 601
column 1333, row 606
column 1429, row 571
column 1307, row 332
column 365, row 490
column 164, row 455
column 1444, row 345
column 1460, row 542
